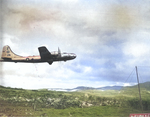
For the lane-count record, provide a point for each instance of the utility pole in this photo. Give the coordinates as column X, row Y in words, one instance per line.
column 139, row 88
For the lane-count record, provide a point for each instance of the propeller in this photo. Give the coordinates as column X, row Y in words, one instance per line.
column 59, row 55
column 59, row 52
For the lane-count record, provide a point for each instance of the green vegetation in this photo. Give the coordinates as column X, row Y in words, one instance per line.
column 89, row 103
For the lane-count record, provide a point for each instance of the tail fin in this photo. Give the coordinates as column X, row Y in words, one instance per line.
column 8, row 53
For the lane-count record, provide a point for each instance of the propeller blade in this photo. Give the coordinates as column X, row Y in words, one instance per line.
column 59, row 52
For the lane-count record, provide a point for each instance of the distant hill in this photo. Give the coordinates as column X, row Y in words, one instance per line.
column 87, row 88
column 145, row 85
column 83, row 88
column 110, row 88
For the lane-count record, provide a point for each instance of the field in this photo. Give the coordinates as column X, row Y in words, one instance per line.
column 89, row 103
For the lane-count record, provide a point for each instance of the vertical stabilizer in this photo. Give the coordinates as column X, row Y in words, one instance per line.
column 7, row 53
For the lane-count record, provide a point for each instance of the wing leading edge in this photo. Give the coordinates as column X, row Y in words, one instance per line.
column 44, row 53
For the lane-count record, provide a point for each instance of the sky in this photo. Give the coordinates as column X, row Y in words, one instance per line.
column 109, row 38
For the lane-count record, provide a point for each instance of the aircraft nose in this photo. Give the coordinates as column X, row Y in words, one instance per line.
column 74, row 56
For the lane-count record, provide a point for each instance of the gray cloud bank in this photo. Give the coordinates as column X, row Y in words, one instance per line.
column 110, row 39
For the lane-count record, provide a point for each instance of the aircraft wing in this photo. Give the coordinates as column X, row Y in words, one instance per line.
column 44, row 53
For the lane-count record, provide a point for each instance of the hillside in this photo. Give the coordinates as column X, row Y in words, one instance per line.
column 145, row 85
column 87, row 102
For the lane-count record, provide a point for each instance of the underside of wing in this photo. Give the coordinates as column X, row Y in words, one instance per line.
column 44, row 53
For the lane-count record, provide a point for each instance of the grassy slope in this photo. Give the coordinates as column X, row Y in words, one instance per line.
column 8, row 109
column 13, row 102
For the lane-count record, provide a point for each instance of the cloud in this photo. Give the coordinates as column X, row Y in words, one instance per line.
column 27, row 18
column 137, row 49
column 109, row 39
column 122, row 17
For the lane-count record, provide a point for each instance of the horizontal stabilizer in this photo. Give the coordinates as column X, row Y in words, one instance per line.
column 44, row 53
